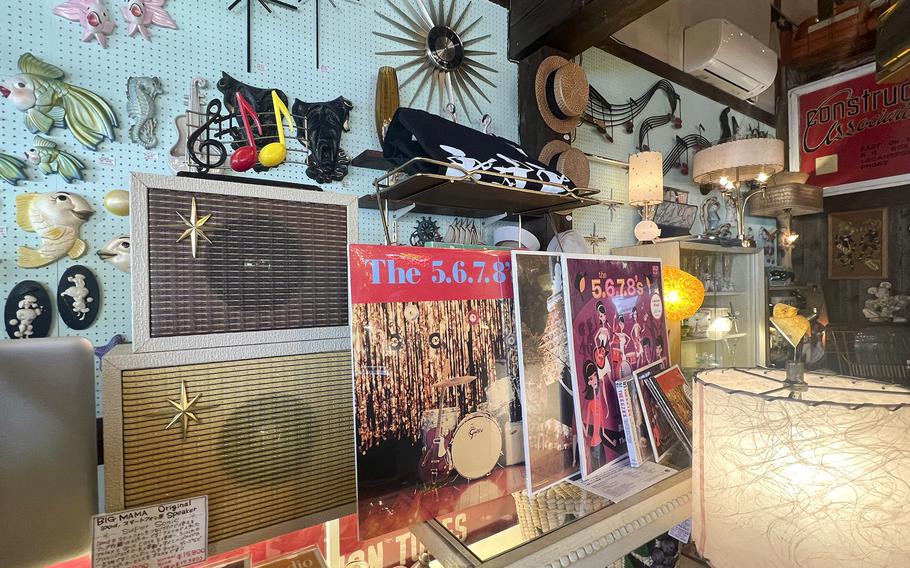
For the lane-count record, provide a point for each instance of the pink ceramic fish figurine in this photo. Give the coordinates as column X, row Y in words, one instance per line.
column 140, row 14
column 92, row 15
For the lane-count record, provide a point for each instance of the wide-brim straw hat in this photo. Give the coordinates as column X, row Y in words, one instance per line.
column 569, row 161
column 561, row 88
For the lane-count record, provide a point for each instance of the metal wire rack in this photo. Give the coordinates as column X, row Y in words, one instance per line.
column 883, row 355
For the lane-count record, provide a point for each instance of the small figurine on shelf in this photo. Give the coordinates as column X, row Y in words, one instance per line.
column 884, row 306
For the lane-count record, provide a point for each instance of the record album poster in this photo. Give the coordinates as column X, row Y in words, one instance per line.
column 660, row 432
column 546, row 383
column 616, row 324
column 438, row 420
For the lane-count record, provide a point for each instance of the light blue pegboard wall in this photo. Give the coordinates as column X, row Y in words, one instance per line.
column 209, row 40
column 618, row 81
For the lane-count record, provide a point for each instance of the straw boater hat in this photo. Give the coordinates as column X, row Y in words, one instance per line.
column 569, row 161
column 561, row 88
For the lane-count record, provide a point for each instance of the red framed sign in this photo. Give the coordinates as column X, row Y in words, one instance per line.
column 851, row 134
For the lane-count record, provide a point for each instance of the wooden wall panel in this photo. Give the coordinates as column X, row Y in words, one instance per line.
column 845, row 298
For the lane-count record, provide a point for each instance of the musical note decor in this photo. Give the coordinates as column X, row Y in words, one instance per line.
column 275, row 153
column 604, row 115
column 228, row 124
column 244, row 157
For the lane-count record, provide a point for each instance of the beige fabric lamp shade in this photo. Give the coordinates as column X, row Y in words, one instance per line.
column 740, row 160
column 813, row 479
column 646, row 179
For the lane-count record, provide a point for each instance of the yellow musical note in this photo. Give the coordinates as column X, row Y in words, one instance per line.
column 276, row 152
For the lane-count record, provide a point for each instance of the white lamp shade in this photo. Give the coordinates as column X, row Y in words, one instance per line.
column 740, row 160
column 646, row 179
column 782, row 482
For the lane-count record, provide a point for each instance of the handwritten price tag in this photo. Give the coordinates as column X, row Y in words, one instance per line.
column 169, row 535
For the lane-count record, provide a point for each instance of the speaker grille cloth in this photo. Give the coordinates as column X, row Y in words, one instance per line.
column 272, row 264
column 274, row 441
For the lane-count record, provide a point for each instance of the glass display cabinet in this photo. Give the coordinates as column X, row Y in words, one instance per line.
column 729, row 329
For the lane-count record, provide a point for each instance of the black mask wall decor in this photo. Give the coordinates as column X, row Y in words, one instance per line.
column 261, row 101
column 321, row 125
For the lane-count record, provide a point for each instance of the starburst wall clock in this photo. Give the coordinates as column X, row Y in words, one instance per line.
column 439, row 42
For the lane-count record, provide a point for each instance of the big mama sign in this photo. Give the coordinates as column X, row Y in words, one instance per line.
column 851, row 134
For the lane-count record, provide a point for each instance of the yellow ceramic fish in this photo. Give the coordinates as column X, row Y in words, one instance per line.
column 56, row 217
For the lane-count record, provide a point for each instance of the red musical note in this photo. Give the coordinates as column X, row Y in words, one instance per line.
column 245, row 158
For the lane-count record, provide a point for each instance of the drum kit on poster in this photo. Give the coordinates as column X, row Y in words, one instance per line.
column 471, row 450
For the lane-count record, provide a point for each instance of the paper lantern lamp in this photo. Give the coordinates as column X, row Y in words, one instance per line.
column 683, row 293
column 803, row 477
column 646, row 189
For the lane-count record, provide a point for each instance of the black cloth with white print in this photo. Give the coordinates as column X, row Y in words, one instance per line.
column 416, row 133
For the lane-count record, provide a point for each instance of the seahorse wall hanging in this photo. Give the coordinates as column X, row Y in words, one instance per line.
column 142, row 94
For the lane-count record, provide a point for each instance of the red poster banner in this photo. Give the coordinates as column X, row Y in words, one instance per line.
column 410, row 274
column 851, row 134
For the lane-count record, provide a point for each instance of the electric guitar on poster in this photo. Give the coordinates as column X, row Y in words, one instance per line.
column 436, row 464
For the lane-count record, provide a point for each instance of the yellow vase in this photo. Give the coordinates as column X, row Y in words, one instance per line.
column 387, row 101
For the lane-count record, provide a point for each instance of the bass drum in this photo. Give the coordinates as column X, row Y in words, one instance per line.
column 476, row 445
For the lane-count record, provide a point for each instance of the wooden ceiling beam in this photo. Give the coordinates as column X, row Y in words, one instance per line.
column 571, row 26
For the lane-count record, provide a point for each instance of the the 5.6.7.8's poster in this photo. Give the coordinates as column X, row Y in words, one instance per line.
column 438, row 422
column 616, row 324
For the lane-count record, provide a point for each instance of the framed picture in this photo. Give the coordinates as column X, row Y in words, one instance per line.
column 615, row 319
column 438, row 419
column 674, row 195
column 659, row 431
column 858, row 244
column 849, row 132
column 546, row 381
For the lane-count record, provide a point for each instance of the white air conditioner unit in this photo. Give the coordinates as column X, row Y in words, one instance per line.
column 721, row 54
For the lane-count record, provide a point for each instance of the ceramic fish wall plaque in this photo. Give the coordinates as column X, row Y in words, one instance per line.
column 12, row 169
column 92, row 15
column 117, row 252
column 142, row 94
column 47, row 101
column 78, row 297
column 51, row 160
column 27, row 313
column 56, row 217
column 140, row 14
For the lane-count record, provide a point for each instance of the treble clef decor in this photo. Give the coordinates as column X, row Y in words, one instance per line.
column 320, row 127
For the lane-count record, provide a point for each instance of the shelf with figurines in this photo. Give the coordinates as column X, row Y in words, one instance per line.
column 461, row 191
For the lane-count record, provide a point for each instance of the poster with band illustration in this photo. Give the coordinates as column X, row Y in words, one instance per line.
column 547, row 407
column 615, row 321
column 438, row 419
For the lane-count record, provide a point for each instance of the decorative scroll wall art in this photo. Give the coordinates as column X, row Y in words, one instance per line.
column 264, row 431
column 260, row 263
column 435, row 382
